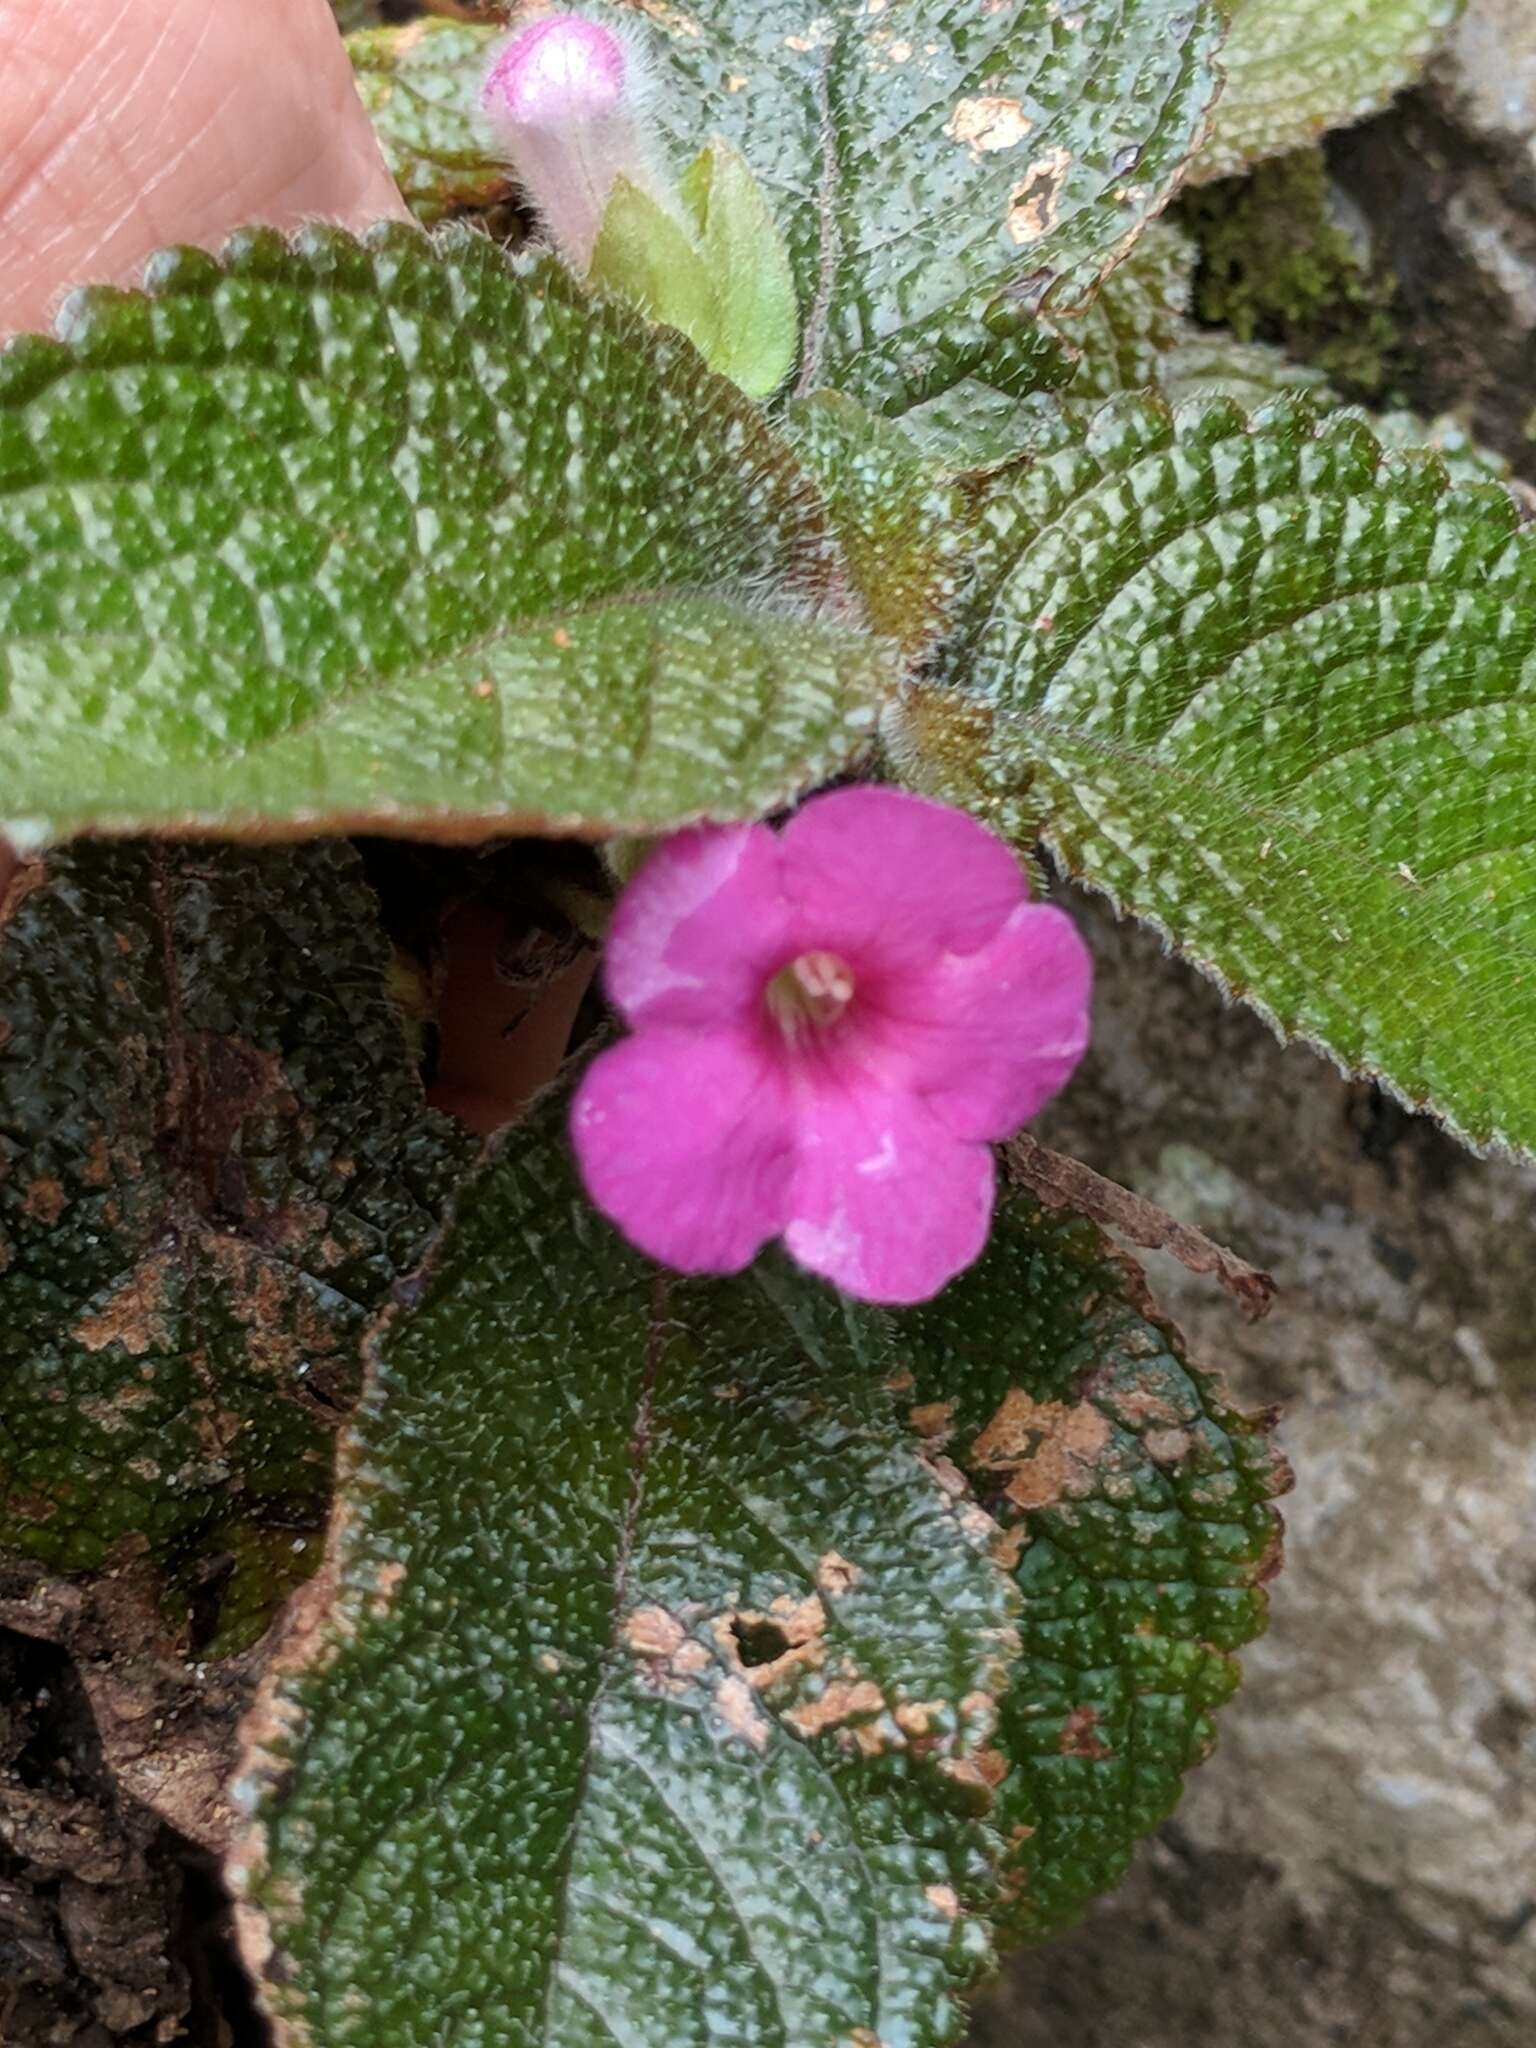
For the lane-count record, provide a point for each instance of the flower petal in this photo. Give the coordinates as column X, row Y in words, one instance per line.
column 987, row 1040
column 686, row 1142
column 700, row 929
column 886, row 1202
column 886, row 878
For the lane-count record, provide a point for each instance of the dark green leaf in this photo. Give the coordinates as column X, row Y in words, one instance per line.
column 1122, row 334
column 214, row 1161
column 658, row 1676
column 399, row 534
column 926, row 156
column 1295, row 68
column 1277, row 694
column 1137, row 1506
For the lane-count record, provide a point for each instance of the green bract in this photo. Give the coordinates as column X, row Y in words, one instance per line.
column 400, row 535
column 716, row 268
column 676, row 1686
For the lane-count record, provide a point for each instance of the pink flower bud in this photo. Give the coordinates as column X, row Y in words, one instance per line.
column 561, row 94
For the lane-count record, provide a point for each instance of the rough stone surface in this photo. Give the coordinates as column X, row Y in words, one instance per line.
column 1358, row 1861
column 1447, row 183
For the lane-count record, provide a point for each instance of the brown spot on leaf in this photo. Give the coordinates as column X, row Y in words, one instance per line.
column 983, row 1772
column 1080, row 1736
column 932, row 1418
column 132, row 1316
column 948, row 1474
column 917, row 1718
column 1168, row 1446
column 844, row 1700
column 736, row 1707
column 944, row 1899
column 1035, row 202
column 836, row 1575
column 653, row 1632
column 792, row 1630
column 44, row 1200
column 987, row 122
column 386, row 1583
column 1049, row 1449
column 96, row 1172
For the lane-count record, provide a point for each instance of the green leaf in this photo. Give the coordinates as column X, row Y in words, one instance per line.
column 755, row 337
column 657, row 1680
column 1276, row 694
column 722, row 278
column 421, row 85
column 214, row 1163
column 1295, row 69
column 1136, row 1503
column 1124, row 331
column 904, row 525
column 1203, row 365
column 1206, row 364
column 1466, row 459
column 649, row 256
column 924, row 159
column 400, row 535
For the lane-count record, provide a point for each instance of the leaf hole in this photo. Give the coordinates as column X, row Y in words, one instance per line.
column 759, row 1642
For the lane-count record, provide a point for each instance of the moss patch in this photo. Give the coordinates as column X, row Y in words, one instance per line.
column 1276, row 266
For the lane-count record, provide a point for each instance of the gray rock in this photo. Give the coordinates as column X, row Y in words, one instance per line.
column 1447, row 184
column 1358, row 1861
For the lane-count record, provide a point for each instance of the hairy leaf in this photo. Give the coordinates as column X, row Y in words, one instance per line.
column 214, row 1161
column 397, row 534
column 903, row 524
column 1210, row 363
column 926, row 158
column 1136, row 1505
column 1295, row 68
column 1123, row 333
column 653, row 1688
column 1276, row 693
column 421, row 85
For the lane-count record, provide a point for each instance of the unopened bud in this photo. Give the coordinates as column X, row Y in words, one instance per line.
column 561, row 95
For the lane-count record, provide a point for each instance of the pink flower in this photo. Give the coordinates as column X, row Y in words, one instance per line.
column 562, row 93
column 830, row 1025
